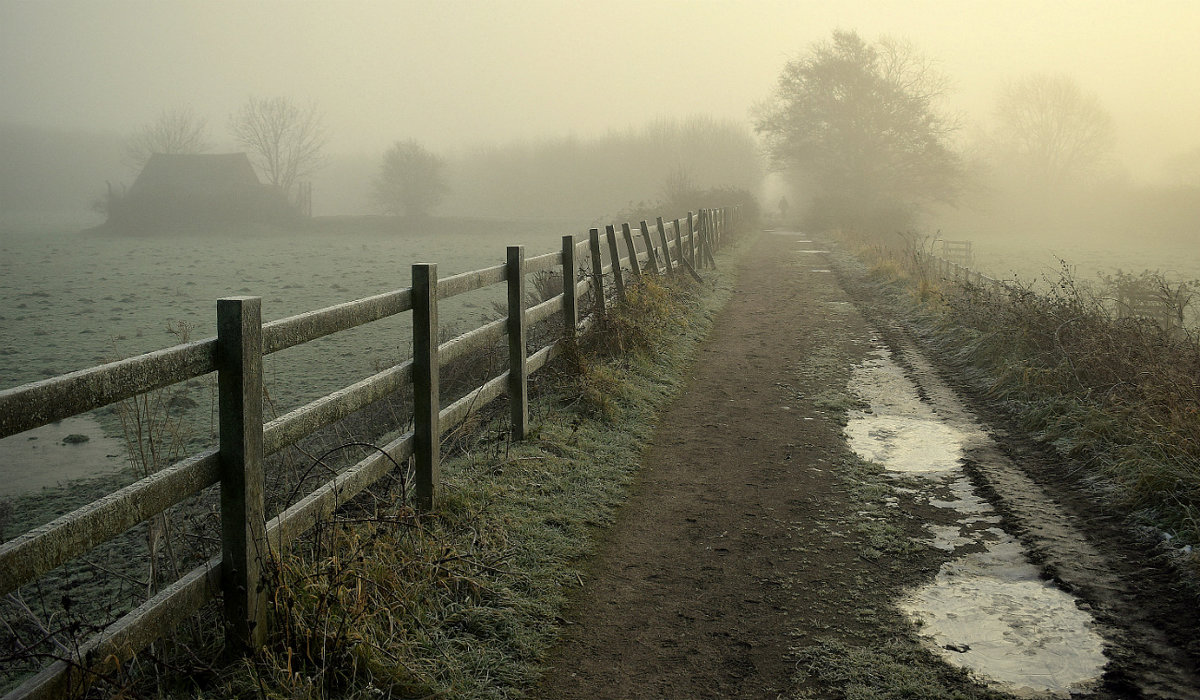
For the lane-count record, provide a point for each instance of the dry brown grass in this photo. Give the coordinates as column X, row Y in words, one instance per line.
column 1121, row 395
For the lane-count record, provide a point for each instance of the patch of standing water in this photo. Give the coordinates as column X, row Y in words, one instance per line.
column 74, row 448
column 899, row 431
column 988, row 611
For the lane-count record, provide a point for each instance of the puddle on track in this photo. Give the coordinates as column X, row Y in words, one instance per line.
column 988, row 611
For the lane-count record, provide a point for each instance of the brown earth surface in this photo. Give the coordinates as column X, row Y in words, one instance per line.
column 744, row 541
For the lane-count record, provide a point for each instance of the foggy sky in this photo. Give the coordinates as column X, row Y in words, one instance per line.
column 453, row 73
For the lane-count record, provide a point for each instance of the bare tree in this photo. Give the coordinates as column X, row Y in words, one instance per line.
column 679, row 187
column 917, row 75
column 284, row 140
column 1052, row 130
column 176, row 130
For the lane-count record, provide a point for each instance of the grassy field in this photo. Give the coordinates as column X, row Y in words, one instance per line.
column 1040, row 263
column 1031, row 260
column 70, row 300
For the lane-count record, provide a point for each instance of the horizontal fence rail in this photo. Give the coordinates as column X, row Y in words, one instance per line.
column 236, row 463
column 944, row 268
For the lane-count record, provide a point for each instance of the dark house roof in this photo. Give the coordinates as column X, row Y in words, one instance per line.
column 201, row 188
column 172, row 174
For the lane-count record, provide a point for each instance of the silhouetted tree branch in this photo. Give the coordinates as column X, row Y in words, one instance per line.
column 176, row 130
column 284, row 140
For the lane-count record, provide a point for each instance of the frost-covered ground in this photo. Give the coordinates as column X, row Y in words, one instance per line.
column 71, row 300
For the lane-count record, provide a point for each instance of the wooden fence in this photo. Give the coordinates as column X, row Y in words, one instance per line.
column 248, row 537
column 947, row 269
column 1130, row 302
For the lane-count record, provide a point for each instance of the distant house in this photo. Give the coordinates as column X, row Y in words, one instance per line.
column 182, row 190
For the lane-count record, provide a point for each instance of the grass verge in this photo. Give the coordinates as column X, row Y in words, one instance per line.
column 464, row 602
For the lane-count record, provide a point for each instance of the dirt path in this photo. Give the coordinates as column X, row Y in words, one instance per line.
column 757, row 557
column 701, row 585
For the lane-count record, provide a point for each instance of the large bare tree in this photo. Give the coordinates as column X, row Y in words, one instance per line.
column 176, row 130
column 1051, row 130
column 283, row 139
column 861, row 122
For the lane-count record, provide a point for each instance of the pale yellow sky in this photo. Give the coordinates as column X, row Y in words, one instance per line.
column 455, row 73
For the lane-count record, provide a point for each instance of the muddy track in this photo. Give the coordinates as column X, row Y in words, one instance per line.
column 1150, row 621
column 756, row 550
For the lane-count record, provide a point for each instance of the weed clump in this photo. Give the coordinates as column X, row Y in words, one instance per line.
column 633, row 329
column 636, row 325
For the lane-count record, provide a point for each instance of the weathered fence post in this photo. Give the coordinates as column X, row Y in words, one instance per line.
column 426, row 389
column 692, row 237
column 614, row 256
column 708, row 237
column 597, row 271
column 570, row 302
column 684, row 264
column 243, row 520
column 634, row 264
column 666, row 245
column 518, row 385
column 715, row 238
column 710, row 234
column 652, row 259
column 679, row 242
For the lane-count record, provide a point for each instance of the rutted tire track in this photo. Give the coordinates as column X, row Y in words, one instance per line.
column 1087, row 558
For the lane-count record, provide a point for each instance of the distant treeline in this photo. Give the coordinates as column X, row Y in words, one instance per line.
column 1103, row 212
column 601, row 176
column 46, row 170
